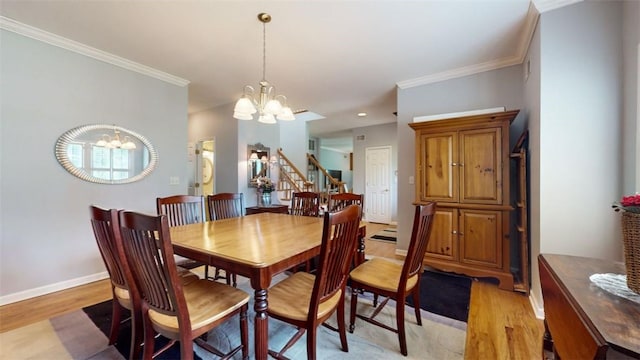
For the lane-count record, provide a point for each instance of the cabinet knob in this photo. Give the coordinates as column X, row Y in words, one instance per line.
column 454, row 232
column 454, row 164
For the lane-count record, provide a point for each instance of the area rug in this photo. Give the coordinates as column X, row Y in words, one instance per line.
column 389, row 234
column 445, row 294
column 76, row 336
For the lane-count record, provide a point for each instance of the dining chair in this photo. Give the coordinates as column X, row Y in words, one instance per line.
column 341, row 200
column 106, row 229
column 305, row 203
column 184, row 210
column 177, row 311
column 395, row 280
column 306, row 300
column 225, row 206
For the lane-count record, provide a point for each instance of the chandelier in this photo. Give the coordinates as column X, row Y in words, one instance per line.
column 115, row 142
column 267, row 104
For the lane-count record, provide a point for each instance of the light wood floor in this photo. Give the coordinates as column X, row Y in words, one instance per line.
column 501, row 324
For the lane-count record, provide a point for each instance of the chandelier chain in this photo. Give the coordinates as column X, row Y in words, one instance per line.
column 264, row 51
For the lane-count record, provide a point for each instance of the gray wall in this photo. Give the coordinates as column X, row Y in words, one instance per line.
column 579, row 133
column 503, row 87
column 45, row 235
column 335, row 160
column 631, row 80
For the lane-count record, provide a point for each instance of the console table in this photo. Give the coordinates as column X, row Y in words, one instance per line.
column 275, row 208
column 583, row 321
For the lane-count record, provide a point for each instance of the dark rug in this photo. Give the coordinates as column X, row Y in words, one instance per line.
column 100, row 314
column 445, row 294
column 388, row 234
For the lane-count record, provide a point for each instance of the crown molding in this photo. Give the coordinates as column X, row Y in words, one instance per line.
column 548, row 5
column 64, row 43
column 523, row 46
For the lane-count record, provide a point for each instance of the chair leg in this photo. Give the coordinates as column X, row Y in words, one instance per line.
column 149, row 338
column 137, row 332
column 416, row 304
column 400, row 326
column 244, row 332
column 186, row 347
column 342, row 326
column 206, row 272
column 116, row 314
column 352, row 313
column 311, row 343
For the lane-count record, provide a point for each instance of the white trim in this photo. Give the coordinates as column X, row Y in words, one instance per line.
column 59, row 41
column 530, row 28
column 538, row 309
column 460, row 72
column 458, row 114
column 47, row 289
column 548, row 5
column 401, row 252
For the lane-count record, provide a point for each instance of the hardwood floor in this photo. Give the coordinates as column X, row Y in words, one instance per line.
column 501, row 324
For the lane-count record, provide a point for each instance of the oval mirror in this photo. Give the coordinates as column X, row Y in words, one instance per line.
column 106, row 154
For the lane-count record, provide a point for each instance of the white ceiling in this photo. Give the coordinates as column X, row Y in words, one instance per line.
column 333, row 58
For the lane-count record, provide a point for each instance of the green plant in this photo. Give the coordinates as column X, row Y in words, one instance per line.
column 628, row 203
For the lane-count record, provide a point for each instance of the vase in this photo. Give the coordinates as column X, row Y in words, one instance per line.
column 631, row 238
column 264, row 199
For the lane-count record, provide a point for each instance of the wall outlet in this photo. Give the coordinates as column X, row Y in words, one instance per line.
column 411, row 180
column 174, row 180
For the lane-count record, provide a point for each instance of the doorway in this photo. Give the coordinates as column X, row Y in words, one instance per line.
column 205, row 168
column 378, row 184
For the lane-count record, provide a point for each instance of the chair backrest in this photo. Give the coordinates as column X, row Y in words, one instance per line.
column 305, row 203
column 182, row 209
column 342, row 200
column 339, row 239
column 422, row 223
column 225, row 205
column 149, row 253
column 106, row 230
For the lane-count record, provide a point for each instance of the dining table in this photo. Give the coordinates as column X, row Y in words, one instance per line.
column 258, row 247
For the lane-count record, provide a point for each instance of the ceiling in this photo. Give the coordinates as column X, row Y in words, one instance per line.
column 333, row 58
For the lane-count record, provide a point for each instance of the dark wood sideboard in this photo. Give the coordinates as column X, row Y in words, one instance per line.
column 281, row 209
column 583, row 321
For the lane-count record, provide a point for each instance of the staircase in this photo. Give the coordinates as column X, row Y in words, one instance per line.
column 291, row 179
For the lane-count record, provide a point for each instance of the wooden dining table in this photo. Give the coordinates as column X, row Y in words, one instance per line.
column 258, row 247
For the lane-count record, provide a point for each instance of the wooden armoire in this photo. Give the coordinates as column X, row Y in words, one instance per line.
column 463, row 164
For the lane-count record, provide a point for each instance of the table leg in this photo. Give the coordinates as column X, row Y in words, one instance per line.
column 261, row 324
column 360, row 250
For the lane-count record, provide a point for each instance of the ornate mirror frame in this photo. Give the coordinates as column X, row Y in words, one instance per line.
column 76, row 134
column 257, row 166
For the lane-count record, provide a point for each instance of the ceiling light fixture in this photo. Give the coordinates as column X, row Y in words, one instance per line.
column 115, row 142
column 362, row 114
column 268, row 105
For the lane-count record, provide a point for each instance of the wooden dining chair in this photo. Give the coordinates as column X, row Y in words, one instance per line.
column 395, row 280
column 225, row 206
column 305, row 203
column 106, row 228
column 339, row 201
column 305, row 300
column 177, row 311
column 184, row 210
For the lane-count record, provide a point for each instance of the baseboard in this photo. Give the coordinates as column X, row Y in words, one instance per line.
column 401, row 252
column 538, row 309
column 47, row 289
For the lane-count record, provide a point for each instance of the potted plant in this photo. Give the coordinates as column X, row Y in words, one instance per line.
column 630, row 208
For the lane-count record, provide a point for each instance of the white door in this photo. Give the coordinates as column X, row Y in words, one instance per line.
column 377, row 199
